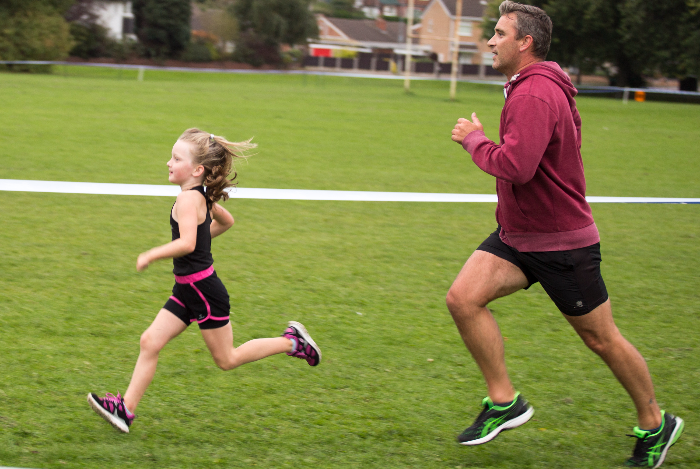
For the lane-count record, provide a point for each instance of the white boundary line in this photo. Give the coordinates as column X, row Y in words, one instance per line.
column 64, row 187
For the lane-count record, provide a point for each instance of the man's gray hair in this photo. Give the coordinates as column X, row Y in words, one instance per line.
column 531, row 21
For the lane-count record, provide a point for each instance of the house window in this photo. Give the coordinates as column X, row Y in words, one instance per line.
column 128, row 25
column 466, row 57
column 430, row 25
column 465, row 28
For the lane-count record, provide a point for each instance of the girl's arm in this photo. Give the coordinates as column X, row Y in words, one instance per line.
column 188, row 204
column 221, row 220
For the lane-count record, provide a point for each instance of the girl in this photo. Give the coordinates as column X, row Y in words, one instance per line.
column 198, row 159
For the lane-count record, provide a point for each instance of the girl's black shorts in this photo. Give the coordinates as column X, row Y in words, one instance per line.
column 571, row 278
column 200, row 297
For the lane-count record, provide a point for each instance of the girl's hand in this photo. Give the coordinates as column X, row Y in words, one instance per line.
column 142, row 262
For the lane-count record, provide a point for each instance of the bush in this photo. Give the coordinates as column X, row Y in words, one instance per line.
column 163, row 26
column 265, row 24
column 197, row 52
column 90, row 41
column 30, row 35
column 127, row 48
column 93, row 41
column 292, row 56
column 202, row 48
column 254, row 50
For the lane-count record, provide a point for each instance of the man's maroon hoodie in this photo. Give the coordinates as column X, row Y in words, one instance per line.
column 540, row 184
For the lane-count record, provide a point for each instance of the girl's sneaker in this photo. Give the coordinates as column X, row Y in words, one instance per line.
column 112, row 409
column 305, row 347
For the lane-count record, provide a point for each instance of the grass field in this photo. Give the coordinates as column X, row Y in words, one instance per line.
column 368, row 279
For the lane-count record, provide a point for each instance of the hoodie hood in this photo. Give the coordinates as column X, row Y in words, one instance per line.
column 551, row 70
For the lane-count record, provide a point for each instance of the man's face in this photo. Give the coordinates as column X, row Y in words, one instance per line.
column 505, row 48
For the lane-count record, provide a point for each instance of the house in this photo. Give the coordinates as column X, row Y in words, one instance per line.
column 117, row 17
column 437, row 31
column 339, row 37
column 388, row 8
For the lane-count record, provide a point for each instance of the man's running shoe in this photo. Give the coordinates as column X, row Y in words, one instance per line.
column 495, row 419
column 651, row 449
column 112, row 409
column 305, row 347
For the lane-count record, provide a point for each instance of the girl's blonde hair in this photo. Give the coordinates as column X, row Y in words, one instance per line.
column 216, row 155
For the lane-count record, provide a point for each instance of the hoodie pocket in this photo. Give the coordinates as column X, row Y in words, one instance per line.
column 514, row 219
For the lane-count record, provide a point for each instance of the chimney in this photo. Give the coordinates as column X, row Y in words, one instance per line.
column 381, row 23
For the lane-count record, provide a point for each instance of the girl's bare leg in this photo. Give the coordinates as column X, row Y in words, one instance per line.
column 226, row 356
column 165, row 327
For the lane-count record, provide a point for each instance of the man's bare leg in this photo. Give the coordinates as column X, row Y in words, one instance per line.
column 600, row 334
column 484, row 278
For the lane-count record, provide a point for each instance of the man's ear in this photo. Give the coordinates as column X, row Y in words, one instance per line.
column 526, row 42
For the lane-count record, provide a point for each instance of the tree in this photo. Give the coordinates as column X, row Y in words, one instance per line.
column 162, row 26
column 664, row 35
column 689, row 59
column 266, row 24
column 34, row 30
column 338, row 9
column 584, row 34
column 91, row 39
column 629, row 38
column 42, row 6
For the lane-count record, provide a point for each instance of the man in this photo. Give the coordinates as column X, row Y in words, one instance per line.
column 545, row 234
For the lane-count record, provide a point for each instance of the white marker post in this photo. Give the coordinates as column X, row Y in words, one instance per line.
column 409, row 42
column 455, row 51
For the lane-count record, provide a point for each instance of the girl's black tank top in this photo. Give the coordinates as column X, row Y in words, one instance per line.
column 200, row 259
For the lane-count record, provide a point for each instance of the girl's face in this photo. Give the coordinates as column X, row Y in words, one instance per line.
column 181, row 168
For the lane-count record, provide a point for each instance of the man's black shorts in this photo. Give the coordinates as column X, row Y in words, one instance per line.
column 571, row 278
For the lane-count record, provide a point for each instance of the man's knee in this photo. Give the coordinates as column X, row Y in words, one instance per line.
column 593, row 343
column 454, row 300
column 463, row 297
column 484, row 278
column 602, row 344
column 462, row 301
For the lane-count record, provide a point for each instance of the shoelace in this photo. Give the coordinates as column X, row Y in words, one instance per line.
column 109, row 397
column 640, row 452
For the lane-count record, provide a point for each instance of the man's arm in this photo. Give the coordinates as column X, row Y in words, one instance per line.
column 528, row 129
